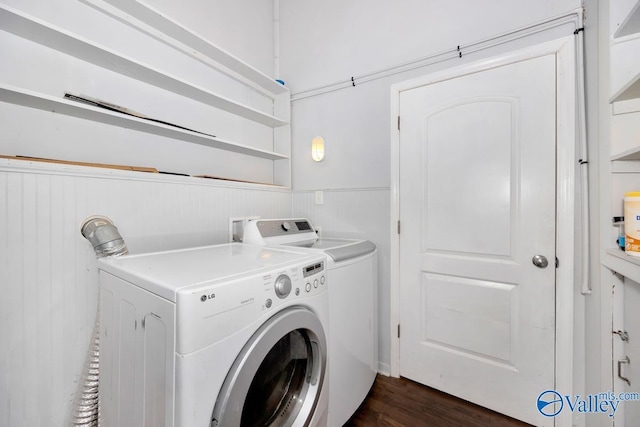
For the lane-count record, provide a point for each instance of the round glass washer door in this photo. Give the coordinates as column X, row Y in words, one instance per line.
column 277, row 378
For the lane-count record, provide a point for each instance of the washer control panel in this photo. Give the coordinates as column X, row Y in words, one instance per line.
column 313, row 269
column 229, row 304
column 306, row 280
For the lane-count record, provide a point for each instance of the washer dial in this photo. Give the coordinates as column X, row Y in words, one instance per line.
column 282, row 286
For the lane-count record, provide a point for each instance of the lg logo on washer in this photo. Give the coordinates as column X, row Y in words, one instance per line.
column 204, row 298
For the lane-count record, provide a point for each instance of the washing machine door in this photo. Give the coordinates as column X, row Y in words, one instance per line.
column 277, row 378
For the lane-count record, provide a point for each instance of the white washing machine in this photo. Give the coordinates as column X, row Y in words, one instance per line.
column 220, row 336
column 353, row 340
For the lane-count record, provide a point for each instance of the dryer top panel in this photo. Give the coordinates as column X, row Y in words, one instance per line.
column 344, row 249
column 165, row 273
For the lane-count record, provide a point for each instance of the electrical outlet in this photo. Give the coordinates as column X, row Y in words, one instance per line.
column 319, row 197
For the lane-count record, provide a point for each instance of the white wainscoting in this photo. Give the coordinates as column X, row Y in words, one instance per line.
column 48, row 271
column 356, row 213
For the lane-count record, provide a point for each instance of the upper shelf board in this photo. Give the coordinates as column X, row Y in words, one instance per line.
column 631, row 154
column 620, row 262
column 187, row 41
column 43, row 33
column 629, row 91
column 44, row 102
column 631, row 24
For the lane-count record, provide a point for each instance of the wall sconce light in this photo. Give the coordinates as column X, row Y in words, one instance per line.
column 317, row 148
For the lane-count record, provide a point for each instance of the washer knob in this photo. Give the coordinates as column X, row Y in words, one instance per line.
column 286, row 226
column 282, row 286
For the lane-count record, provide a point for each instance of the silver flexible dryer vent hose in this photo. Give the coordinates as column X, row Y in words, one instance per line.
column 106, row 241
column 104, row 237
column 86, row 411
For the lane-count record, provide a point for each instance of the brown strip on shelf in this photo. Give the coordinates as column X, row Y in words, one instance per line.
column 95, row 165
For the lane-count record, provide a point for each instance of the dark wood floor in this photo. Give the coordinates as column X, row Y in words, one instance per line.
column 398, row 402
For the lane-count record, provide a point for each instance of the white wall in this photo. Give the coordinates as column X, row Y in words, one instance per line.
column 47, row 269
column 356, row 214
column 329, row 42
column 325, row 42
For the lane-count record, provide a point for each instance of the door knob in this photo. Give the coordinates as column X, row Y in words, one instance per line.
column 540, row 261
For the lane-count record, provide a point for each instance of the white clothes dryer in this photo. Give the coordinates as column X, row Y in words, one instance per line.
column 353, row 340
column 219, row 336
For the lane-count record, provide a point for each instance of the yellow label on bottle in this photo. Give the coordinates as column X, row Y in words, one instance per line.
column 632, row 225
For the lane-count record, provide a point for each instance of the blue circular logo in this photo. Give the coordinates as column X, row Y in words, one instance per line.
column 547, row 401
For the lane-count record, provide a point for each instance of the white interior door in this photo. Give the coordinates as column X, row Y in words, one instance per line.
column 477, row 202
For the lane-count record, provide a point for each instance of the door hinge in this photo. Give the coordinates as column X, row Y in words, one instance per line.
column 557, row 262
column 398, row 227
column 398, row 122
column 398, row 330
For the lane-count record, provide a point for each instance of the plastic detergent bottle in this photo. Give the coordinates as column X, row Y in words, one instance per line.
column 618, row 222
column 632, row 223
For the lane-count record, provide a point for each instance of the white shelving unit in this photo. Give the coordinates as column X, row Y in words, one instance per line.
column 619, row 23
column 70, row 108
column 626, row 265
column 631, row 154
column 627, row 160
column 39, row 31
column 631, row 24
column 629, row 91
column 625, row 167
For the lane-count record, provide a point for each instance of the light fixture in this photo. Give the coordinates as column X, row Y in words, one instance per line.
column 317, row 148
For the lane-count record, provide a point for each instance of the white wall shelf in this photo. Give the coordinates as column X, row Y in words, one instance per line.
column 626, row 265
column 624, row 166
column 170, row 32
column 626, row 99
column 45, row 102
column 34, row 29
column 631, row 24
column 629, row 91
column 631, row 154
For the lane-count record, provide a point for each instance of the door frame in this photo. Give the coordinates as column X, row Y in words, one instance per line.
column 566, row 169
